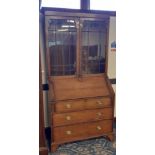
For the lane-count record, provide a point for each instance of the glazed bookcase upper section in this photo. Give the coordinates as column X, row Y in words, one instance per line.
column 76, row 43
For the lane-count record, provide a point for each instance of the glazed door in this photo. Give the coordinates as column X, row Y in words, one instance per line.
column 93, row 46
column 61, row 43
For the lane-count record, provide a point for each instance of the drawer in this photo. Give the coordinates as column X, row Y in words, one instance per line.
column 81, row 116
column 81, row 104
column 70, row 105
column 83, row 130
column 99, row 102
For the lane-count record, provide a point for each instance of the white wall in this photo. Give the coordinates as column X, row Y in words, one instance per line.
column 112, row 54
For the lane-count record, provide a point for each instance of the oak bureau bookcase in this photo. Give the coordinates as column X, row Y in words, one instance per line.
column 80, row 95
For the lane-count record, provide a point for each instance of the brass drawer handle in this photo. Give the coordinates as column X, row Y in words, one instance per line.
column 99, row 102
column 68, row 132
column 98, row 128
column 99, row 114
column 68, row 118
column 68, row 106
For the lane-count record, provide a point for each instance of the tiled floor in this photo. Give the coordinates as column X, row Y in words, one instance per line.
column 97, row 146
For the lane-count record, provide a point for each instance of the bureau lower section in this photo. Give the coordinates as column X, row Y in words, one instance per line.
column 81, row 119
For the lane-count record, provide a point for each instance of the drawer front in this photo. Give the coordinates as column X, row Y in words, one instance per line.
column 84, row 130
column 67, row 106
column 81, row 116
column 81, row 104
column 97, row 102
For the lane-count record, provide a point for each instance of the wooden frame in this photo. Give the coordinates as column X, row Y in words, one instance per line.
column 77, row 14
column 49, row 11
column 42, row 145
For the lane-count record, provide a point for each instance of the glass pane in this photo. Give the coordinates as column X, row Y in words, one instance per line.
column 93, row 47
column 62, row 46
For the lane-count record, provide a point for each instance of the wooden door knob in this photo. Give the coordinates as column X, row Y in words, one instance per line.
column 98, row 128
column 68, row 132
column 68, row 118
